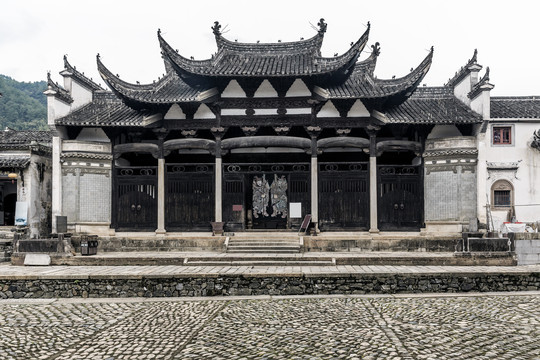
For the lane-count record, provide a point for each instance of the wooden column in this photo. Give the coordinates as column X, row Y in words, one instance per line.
column 161, row 187
column 314, row 132
column 218, row 184
column 373, row 221
column 218, row 133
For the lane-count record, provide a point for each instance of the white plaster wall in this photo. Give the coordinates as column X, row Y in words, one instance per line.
column 56, row 109
column 93, row 134
column 298, row 88
column 358, row 110
column 86, row 146
column 204, row 112
column 265, row 90
column 462, row 89
column 328, row 110
column 175, row 112
column 233, row 90
column 81, row 95
column 482, row 176
column 526, row 181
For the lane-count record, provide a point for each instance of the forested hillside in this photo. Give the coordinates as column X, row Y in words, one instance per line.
column 22, row 105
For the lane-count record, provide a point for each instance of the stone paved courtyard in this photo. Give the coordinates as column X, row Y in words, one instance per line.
column 494, row 326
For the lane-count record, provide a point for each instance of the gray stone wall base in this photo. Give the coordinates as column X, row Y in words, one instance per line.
column 221, row 285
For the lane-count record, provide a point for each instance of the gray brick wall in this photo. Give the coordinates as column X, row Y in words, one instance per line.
column 70, row 196
column 95, row 198
column 86, row 197
column 450, row 196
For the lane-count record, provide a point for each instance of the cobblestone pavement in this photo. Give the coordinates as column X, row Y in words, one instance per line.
column 494, row 326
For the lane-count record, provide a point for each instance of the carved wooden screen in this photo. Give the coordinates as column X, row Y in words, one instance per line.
column 189, row 197
column 343, row 196
column 136, row 198
column 400, row 197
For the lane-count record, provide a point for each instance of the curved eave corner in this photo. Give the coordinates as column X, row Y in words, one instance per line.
column 122, row 89
column 187, row 69
column 406, row 85
column 347, row 60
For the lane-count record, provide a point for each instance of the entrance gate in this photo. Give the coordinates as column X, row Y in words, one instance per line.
column 136, row 198
column 343, row 196
column 400, row 197
column 259, row 196
column 189, row 197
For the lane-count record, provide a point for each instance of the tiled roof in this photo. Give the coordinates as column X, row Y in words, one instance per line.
column 105, row 110
column 60, row 92
column 168, row 90
column 300, row 58
column 11, row 137
column 515, row 107
column 362, row 84
column 81, row 78
column 480, row 86
column 14, row 161
column 368, row 65
column 463, row 71
column 432, row 105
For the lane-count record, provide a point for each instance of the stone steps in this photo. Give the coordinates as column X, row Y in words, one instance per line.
column 261, row 263
column 265, row 244
column 285, row 259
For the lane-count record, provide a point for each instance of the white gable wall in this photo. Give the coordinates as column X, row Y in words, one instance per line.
column 266, row 90
column 233, row 90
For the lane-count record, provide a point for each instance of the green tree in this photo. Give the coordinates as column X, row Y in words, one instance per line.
column 23, row 105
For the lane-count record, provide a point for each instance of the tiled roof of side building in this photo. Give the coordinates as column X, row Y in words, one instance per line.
column 300, row 58
column 515, row 107
column 82, row 79
column 460, row 75
column 14, row 161
column 168, row 90
column 432, row 105
column 60, row 93
column 105, row 110
column 9, row 136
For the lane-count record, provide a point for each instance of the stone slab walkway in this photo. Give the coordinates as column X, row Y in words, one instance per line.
column 10, row 272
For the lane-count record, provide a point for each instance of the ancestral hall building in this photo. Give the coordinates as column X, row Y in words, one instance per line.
column 259, row 135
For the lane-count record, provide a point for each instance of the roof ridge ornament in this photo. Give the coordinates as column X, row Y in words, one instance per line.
column 322, row 26
column 376, row 48
column 216, row 29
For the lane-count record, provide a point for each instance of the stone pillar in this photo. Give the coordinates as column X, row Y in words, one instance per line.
column 373, row 221
column 161, row 197
column 218, row 191
column 56, row 180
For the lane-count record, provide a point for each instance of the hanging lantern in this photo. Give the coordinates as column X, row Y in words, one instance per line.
column 12, row 176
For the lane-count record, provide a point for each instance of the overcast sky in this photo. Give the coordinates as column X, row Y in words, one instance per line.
column 35, row 34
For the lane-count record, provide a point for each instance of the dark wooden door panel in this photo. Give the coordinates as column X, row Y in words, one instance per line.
column 136, row 198
column 400, row 197
column 189, row 197
column 343, row 196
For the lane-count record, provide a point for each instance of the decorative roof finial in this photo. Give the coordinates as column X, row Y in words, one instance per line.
column 98, row 56
column 376, row 49
column 322, row 26
column 159, row 31
column 216, row 29
column 473, row 59
column 486, row 76
column 368, row 25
